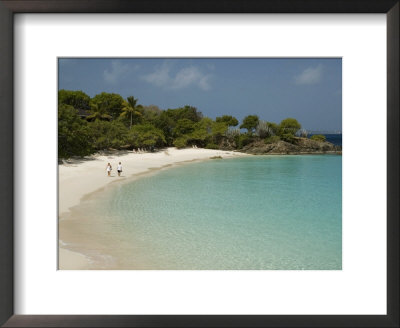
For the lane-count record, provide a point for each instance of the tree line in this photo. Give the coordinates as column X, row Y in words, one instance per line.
column 108, row 121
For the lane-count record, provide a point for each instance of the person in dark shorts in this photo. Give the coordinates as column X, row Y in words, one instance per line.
column 119, row 169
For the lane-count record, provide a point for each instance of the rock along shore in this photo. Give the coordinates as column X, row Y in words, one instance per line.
column 298, row 146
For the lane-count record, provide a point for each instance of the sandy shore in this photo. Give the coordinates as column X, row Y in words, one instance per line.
column 71, row 260
column 78, row 178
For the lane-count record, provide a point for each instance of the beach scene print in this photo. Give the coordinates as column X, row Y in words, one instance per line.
column 199, row 164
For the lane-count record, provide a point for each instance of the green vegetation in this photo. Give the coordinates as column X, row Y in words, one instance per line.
column 272, row 139
column 98, row 112
column 111, row 103
column 289, row 126
column 108, row 121
column 145, row 135
column 106, row 134
column 73, row 133
column 250, row 123
column 212, row 146
column 288, row 137
column 274, row 128
column 132, row 110
column 76, row 99
column 318, row 137
column 228, row 119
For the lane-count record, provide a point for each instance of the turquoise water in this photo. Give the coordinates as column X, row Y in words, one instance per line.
column 259, row 212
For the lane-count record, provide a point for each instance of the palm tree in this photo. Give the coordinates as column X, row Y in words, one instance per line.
column 98, row 113
column 131, row 108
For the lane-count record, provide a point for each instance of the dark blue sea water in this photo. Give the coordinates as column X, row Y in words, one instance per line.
column 261, row 212
column 336, row 139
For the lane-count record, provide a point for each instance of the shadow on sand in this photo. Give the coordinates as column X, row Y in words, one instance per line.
column 110, row 154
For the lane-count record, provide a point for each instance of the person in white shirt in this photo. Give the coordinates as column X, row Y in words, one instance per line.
column 119, row 169
column 109, row 168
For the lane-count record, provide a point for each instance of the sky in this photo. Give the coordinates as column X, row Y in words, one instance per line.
column 309, row 90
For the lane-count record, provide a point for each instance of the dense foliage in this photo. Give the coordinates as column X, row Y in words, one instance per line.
column 74, row 137
column 289, row 126
column 76, row 99
column 318, row 137
column 108, row 121
column 250, row 123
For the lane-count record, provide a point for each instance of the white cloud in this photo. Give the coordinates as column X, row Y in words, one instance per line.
column 311, row 75
column 185, row 77
column 117, row 71
column 160, row 77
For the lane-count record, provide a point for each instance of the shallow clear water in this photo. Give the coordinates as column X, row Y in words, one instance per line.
column 259, row 212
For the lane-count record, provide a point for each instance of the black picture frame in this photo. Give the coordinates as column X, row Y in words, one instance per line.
column 10, row 7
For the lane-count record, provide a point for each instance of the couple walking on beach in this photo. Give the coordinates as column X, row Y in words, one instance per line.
column 109, row 169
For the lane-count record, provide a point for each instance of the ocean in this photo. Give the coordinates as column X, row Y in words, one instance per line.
column 336, row 139
column 250, row 213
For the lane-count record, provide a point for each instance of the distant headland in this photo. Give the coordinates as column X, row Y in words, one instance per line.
column 296, row 146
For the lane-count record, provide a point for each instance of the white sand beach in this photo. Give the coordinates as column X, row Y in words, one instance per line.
column 80, row 177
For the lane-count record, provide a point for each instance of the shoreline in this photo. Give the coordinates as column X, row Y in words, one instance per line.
column 89, row 174
column 80, row 178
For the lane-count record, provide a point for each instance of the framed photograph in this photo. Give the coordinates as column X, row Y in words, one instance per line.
column 202, row 164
